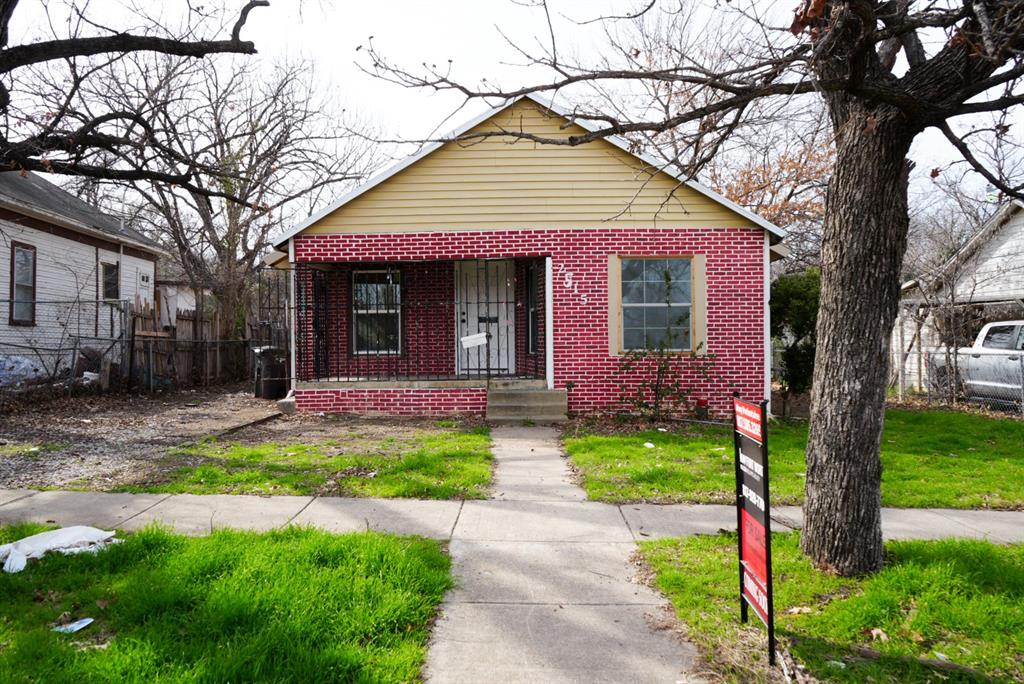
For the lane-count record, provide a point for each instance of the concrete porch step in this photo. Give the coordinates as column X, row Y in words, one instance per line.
column 516, row 383
column 516, row 405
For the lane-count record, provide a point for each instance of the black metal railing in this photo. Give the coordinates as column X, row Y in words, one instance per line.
column 418, row 321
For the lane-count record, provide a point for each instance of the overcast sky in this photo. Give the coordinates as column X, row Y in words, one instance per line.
column 410, row 32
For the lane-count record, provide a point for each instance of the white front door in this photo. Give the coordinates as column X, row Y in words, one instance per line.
column 485, row 304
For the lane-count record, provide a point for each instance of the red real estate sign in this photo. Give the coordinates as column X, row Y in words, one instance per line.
column 753, row 518
column 748, row 419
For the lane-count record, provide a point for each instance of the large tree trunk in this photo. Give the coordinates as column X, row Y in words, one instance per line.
column 863, row 242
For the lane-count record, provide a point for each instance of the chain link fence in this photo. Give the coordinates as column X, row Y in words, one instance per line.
column 60, row 343
column 990, row 377
column 54, row 348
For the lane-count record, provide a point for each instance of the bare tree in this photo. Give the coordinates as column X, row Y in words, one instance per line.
column 885, row 72
column 783, row 177
column 267, row 141
column 45, row 125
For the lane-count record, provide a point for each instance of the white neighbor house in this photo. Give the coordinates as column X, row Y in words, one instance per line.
column 984, row 280
column 66, row 272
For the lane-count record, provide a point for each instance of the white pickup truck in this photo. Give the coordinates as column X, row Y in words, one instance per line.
column 991, row 370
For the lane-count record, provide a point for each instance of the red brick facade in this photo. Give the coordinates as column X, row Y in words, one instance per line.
column 394, row 401
column 735, row 263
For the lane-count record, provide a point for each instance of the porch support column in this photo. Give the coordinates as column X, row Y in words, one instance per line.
column 549, row 329
column 293, row 315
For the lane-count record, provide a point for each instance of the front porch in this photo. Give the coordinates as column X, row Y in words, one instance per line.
column 451, row 324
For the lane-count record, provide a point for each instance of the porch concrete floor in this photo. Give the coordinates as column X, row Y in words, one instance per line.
column 545, row 588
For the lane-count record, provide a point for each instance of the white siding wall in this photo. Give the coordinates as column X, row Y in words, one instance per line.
column 998, row 268
column 66, row 271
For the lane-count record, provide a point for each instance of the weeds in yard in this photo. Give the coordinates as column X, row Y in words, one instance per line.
column 957, row 602
column 453, row 464
column 29, row 449
column 296, row 605
column 937, row 459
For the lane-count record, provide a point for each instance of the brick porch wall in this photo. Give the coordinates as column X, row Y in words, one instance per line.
column 583, row 365
column 398, row 401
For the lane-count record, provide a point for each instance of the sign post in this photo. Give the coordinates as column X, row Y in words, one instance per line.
column 753, row 514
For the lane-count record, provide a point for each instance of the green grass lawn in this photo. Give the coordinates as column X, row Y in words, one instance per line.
column 955, row 601
column 941, row 459
column 451, row 464
column 295, row 605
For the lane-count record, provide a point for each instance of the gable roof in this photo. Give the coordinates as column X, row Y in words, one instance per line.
column 776, row 233
column 987, row 231
column 29, row 192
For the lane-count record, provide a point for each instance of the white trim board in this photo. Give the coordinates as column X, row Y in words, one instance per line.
column 621, row 143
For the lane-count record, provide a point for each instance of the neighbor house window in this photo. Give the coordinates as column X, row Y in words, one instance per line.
column 657, row 300
column 531, row 310
column 376, row 312
column 23, row 284
column 111, row 281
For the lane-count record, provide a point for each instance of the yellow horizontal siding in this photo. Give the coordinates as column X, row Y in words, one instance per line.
column 504, row 182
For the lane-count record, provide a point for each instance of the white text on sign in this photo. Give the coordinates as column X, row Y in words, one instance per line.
column 753, row 497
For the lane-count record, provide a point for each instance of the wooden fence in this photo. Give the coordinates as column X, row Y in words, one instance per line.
column 186, row 354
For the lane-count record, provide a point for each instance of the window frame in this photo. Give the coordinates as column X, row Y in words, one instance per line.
column 1011, row 337
column 11, row 319
column 690, row 306
column 104, row 265
column 354, row 314
column 532, row 330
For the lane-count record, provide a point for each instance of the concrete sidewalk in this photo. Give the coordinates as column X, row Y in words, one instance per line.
column 500, row 519
column 545, row 586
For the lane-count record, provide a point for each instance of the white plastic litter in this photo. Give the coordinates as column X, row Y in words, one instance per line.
column 75, row 626
column 475, row 340
column 649, row 445
column 67, row 540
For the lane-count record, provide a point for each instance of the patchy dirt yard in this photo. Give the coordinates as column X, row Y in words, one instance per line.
column 99, row 442
column 210, row 443
column 332, row 456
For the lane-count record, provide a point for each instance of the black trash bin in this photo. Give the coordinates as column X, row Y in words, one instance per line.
column 271, row 372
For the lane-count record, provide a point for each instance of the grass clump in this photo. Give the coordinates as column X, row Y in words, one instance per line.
column 960, row 602
column 454, row 464
column 940, row 459
column 294, row 605
column 29, row 449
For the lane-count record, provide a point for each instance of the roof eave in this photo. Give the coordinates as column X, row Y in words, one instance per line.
column 56, row 219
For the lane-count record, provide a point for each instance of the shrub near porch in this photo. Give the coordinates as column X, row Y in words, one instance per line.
column 939, row 459
column 440, row 460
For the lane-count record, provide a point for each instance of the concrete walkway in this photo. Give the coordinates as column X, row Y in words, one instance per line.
column 546, row 591
column 545, row 587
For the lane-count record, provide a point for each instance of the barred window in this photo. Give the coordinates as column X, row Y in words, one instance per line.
column 376, row 312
